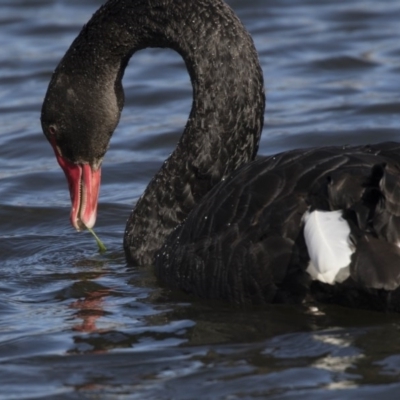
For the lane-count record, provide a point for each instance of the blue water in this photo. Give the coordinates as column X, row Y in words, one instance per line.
column 75, row 324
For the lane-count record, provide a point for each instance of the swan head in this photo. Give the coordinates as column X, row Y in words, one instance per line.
column 79, row 116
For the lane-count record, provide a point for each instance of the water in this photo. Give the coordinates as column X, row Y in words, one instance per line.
column 75, row 324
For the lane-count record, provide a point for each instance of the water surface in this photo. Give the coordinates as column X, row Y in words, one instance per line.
column 75, row 324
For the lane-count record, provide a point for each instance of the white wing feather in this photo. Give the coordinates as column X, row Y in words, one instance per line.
column 326, row 235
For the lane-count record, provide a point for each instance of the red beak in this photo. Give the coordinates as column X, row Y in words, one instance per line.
column 84, row 187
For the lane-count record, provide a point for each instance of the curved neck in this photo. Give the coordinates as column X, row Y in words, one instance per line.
column 226, row 119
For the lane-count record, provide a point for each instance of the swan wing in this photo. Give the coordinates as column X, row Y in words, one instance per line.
column 326, row 234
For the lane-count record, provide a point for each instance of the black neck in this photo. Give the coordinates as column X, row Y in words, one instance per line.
column 226, row 119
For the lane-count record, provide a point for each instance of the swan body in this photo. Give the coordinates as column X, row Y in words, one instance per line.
column 320, row 223
column 245, row 241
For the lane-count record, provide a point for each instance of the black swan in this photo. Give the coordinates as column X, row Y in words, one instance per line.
column 320, row 224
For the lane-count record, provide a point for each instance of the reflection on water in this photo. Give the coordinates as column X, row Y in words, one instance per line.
column 75, row 324
column 89, row 307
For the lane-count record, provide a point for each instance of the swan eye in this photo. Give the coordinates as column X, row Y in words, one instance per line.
column 52, row 130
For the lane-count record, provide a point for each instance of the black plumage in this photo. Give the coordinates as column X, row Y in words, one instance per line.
column 213, row 221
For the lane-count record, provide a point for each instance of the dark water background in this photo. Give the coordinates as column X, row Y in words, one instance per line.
column 77, row 325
